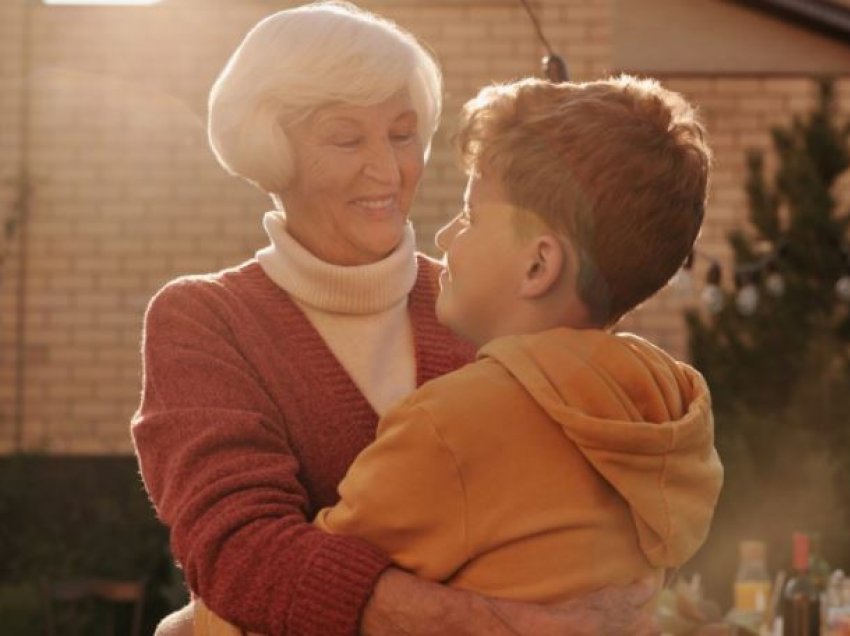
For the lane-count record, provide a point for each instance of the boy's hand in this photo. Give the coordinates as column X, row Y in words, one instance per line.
column 405, row 604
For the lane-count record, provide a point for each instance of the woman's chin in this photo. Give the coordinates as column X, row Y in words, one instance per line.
column 383, row 241
column 383, row 215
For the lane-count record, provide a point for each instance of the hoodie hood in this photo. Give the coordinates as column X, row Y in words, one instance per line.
column 642, row 420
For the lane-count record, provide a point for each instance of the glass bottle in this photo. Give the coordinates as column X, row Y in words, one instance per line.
column 800, row 598
column 752, row 582
column 818, row 567
column 836, row 611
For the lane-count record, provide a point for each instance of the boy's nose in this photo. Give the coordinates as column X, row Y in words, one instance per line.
column 446, row 234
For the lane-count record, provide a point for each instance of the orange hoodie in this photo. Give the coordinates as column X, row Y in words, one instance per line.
column 556, row 464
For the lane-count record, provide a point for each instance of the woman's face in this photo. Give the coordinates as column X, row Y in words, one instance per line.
column 356, row 172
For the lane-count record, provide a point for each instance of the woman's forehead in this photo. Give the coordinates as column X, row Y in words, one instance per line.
column 397, row 106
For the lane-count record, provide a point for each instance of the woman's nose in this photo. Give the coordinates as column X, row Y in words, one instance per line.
column 382, row 164
column 446, row 234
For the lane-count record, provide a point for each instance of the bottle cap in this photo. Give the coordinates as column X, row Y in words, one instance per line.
column 800, row 560
column 752, row 551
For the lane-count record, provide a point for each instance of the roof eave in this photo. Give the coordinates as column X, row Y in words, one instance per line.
column 823, row 16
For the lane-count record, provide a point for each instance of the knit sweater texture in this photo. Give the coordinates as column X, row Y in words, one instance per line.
column 247, row 424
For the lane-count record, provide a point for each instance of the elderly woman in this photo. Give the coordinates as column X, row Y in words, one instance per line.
column 263, row 382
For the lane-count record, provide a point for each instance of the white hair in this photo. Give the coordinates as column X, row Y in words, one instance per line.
column 295, row 61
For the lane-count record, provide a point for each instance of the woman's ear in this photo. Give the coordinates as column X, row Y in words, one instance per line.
column 545, row 265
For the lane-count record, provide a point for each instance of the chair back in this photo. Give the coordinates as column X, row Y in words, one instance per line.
column 79, row 595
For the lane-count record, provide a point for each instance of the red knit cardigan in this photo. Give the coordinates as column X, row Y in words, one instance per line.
column 247, row 423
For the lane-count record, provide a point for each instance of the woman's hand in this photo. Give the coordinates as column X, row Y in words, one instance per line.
column 611, row 611
column 405, row 604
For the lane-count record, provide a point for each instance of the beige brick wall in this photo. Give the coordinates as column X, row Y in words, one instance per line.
column 11, row 18
column 126, row 194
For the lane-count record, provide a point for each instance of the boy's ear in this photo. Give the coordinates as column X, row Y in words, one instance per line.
column 545, row 265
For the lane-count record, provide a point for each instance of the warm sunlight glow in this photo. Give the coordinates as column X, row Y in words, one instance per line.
column 109, row 3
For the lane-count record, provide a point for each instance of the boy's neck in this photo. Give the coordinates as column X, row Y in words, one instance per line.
column 535, row 318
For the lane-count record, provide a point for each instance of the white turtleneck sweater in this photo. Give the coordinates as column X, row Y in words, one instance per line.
column 360, row 311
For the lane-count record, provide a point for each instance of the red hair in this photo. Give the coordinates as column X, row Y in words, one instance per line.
column 618, row 167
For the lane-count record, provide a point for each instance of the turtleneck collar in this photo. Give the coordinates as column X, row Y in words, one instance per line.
column 360, row 289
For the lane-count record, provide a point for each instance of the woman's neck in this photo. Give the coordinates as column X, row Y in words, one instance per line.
column 362, row 289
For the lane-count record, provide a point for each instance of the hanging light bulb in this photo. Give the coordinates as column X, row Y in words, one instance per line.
column 774, row 283
column 842, row 288
column 712, row 296
column 747, row 299
column 842, row 285
column 683, row 282
column 553, row 66
column 555, row 69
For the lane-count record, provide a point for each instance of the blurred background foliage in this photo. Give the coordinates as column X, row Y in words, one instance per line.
column 780, row 377
column 68, row 517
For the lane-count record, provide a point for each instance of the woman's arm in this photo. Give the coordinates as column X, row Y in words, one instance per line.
column 220, row 471
column 405, row 604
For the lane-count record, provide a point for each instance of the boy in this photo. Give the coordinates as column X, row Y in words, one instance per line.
column 566, row 458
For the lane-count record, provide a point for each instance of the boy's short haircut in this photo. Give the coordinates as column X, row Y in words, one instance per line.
column 618, row 167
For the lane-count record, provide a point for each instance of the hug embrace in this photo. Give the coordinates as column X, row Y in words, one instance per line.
column 344, row 435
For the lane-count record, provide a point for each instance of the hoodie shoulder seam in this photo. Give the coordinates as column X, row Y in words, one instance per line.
column 668, row 530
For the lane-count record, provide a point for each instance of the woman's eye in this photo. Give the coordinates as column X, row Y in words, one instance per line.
column 403, row 137
column 346, row 142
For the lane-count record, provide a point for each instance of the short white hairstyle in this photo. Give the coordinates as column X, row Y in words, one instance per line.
column 298, row 60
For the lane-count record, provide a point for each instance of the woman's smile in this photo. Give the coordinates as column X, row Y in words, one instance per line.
column 378, row 208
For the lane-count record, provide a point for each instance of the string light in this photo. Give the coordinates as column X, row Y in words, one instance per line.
column 842, row 288
column 683, row 280
column 747, row 298
column 712, row 295
column 764, row 272
column 842, row 285
column 774, row 283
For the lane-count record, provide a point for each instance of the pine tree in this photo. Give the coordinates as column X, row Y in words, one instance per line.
column 752, row 362
column 780, row 378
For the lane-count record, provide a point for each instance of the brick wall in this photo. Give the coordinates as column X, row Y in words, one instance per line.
column 739, row 113
column 126, row 195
